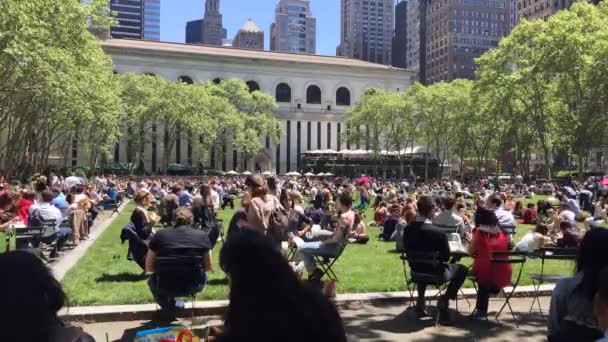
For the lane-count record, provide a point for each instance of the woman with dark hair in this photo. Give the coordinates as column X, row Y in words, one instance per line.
column 260, row 277
column 487, row 239
column 571, row 315
column 30, row 299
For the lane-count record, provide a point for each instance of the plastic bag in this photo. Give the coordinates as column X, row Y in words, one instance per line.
column 167, row 334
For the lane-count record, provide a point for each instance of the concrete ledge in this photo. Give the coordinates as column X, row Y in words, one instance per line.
column 70, row 259
column 214, row 308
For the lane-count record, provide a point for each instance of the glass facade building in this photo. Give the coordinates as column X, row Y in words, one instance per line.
column 294, row 29
column 137, row 19
column 152, row 19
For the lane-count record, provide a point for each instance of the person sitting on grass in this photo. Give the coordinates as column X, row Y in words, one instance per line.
column 332, row 246
column 359, row 233
column 530, row 215
column 260, row 277
column 391, row 222
column 534, row 240
column 31, row 298
column 380, row 214
column 487, row 239
column 182, row 241
column 518, row 210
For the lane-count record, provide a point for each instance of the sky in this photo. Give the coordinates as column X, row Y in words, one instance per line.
column 176, row 13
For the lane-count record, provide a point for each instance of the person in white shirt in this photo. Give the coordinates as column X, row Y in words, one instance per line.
column 566, row 215
column 215, row 199
column 505, row 217
column 534, row 240
column 71, row 182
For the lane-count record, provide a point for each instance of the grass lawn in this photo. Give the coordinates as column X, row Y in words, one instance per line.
column 105, row 277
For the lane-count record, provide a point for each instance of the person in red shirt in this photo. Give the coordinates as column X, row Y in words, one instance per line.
column 487, row 239
column 23, row 205
column 530, row 214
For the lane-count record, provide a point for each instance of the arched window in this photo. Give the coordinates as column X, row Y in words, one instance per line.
column 343, row 97
column 253, row 86
column 283, row 93
column 313, row 95
column 217, row 80
column 186, row 79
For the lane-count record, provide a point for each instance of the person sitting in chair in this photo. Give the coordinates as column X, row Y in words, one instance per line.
column 182, row 241
column 423, row 236
column 44, row 213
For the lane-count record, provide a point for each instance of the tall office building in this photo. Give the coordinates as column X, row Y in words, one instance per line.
column 294, row 28
column 152, row 19
column 194, row 32
column 537, row 9
column 213, row 31
column 137, row 19
column 209, row 30
column 399, row 57
column 460, row 31
column 416, row 38
column 366, row 30
column 249, row 37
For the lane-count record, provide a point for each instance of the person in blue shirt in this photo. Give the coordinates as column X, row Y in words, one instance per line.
column 59, row 200
column 185, row 196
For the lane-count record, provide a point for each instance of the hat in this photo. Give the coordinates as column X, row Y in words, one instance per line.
column 254, row 181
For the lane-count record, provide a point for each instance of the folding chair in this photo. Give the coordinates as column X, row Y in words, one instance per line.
column 541, row 278
column 447, row 229
column 408, row 281
column 509, row 231
column 512, row 258
column 428, row 269
column 326, row 263
column 168, row 271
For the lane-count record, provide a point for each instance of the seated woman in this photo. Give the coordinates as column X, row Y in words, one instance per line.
column 380, row 214
column 359, row 233
column 572, row 236
column 390, row 224
column 260, row 277
column 530, row 215
column 518, row 210
column 142, row 220
column 34, row 300
column 571, row 316
column 487, row 239
column 599, row 215
column 534, row 240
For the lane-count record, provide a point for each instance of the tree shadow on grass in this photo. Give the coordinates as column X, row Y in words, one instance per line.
column 121, row 278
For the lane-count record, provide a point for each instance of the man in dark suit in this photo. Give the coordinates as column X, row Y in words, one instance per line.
column 423, row 236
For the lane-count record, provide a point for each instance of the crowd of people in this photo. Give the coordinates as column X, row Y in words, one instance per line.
column 283, row 225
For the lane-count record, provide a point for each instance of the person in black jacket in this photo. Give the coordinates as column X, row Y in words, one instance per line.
column 142, row 219
column 204, row 214
column 422, row 236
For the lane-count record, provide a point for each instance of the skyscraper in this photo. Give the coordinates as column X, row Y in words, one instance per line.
column 213, row 31
column 194, row 32
column 152, row 19
column 249, row 37
column 294, row 28
column 416, row 38
column 460, row 31
column 366, row 30
column 399, row 53
column 137, row 19
column 533, row 9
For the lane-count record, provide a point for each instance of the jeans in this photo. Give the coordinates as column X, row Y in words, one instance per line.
column 455, row 274
column 62, row 236
column 308, row 250
column 165, row 299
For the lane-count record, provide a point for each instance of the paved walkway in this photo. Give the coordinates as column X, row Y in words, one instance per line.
column 366, row 322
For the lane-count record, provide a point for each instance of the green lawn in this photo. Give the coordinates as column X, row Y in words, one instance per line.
column 104, row 276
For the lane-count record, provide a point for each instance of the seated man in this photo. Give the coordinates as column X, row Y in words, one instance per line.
column 330, row 247
column 42, row 214
column 181, row 241
column 423, row 236
column 390, row 224
column 448, row 220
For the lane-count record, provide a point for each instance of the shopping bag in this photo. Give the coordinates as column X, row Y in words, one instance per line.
column 167, row 334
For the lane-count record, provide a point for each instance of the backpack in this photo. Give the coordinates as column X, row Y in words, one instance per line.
column 278, row 224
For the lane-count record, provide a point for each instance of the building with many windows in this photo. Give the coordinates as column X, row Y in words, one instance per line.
column 294, row 28
column 540, row 9
column 152, row 19
column 249, row 37
column 416, row 38
column 457, row 32
column 137, row 19
column 399, row 57
column 313, row 94
column 366, row 30
column 210, row 29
